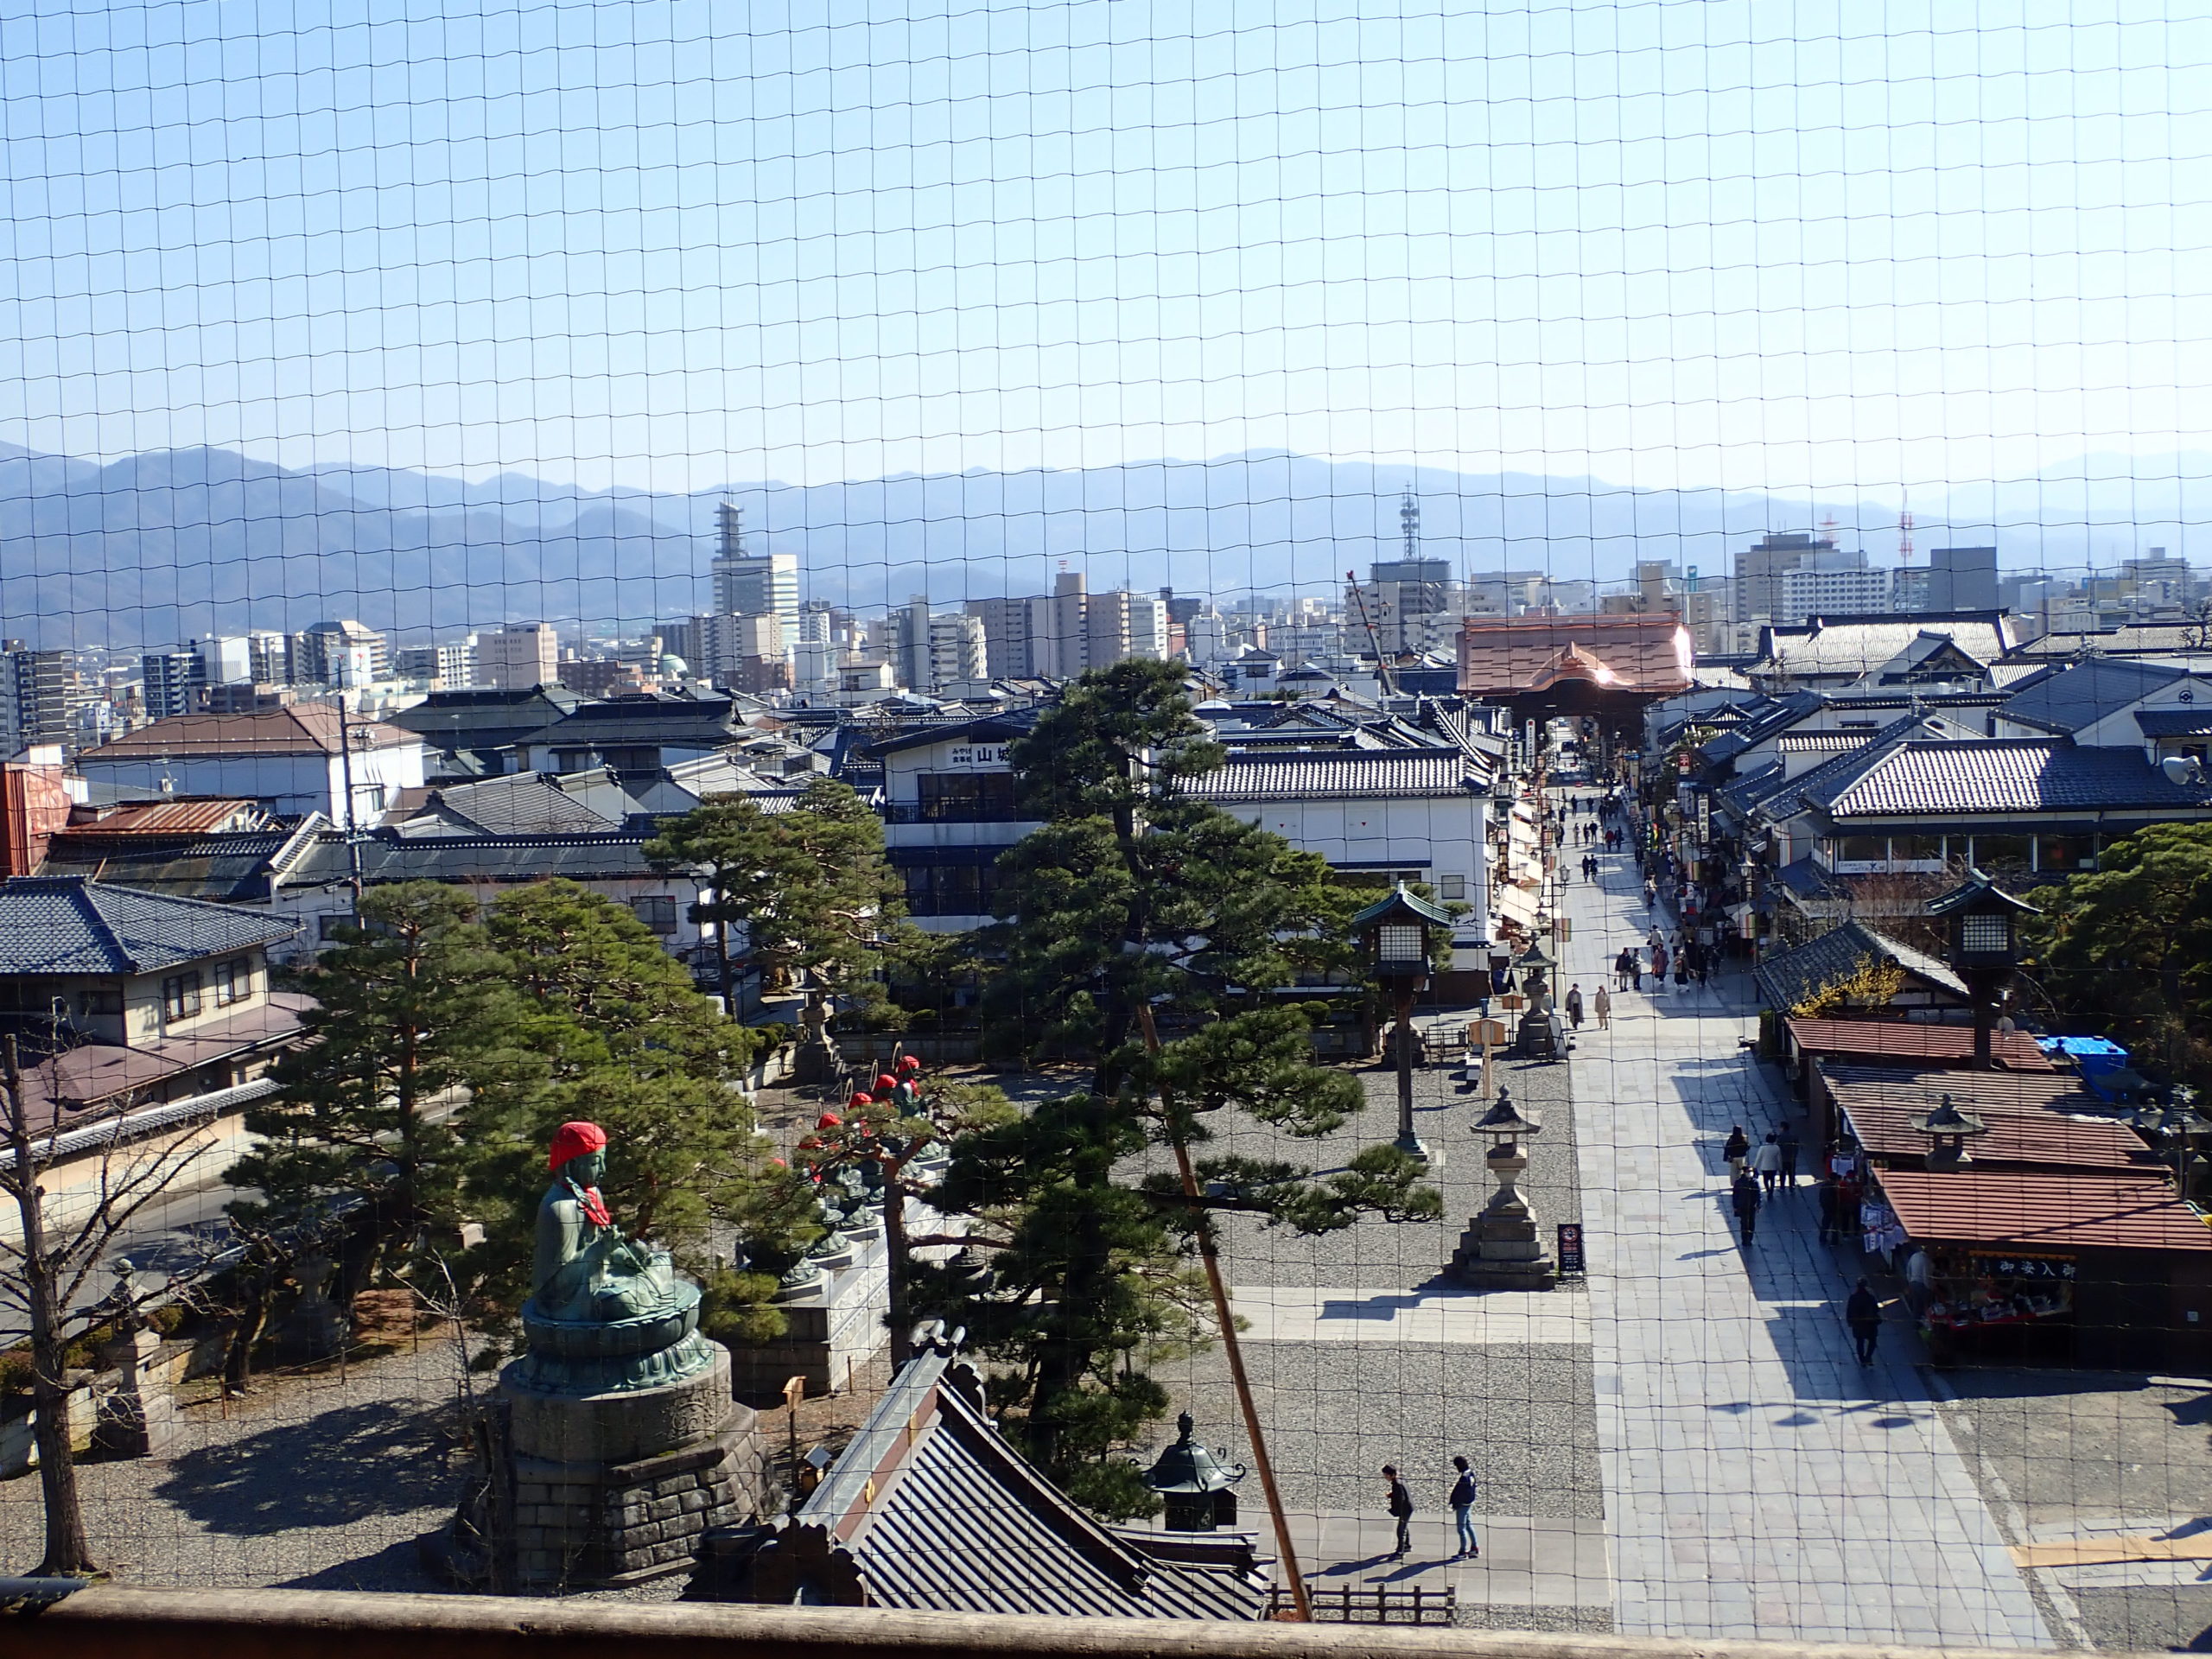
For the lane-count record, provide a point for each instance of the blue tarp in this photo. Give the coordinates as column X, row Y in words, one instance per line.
column 2096, row 1056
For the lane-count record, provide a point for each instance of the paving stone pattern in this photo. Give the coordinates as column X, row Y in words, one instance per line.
column 1759, row 1482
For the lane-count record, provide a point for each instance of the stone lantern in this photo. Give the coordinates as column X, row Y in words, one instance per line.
column 1194, row 1484
column 1981, row 924
column 1502, row 1248
column 1949, row 1130
column 1394, row 933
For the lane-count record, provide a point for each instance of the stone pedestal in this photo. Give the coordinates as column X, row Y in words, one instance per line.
column 616, row 1488
column 1503, row 1248
column 138, row 1417
column 609, row 1448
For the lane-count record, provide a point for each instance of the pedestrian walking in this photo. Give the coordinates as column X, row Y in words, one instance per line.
column 1744, row 1199
column 1463, row 1512
column 1574, row 1006
column 1863, row 1313
column 1623, row 968
column 1736, row 1148
column 1399, row 1504
column 1658, row 966
column 1831, row 1208
column 1766, row 1163
column 1650, row 894
column 1788, row 1143
column 1603, row 1005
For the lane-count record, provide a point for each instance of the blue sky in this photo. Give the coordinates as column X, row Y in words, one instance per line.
column 1749, row 243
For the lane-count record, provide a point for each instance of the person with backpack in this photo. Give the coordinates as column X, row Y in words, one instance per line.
column 1399, row 1503
column 1463, row 1512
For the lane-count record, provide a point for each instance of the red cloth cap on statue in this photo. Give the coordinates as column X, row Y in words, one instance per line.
column 859, row 1100
column 908, row 1063
column 885, row 1083
column 573, row 1141
column 829, row 1121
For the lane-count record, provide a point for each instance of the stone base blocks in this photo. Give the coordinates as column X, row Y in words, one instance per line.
column 617, row 1488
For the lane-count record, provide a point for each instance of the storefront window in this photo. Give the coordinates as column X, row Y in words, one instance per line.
column 1862, row 850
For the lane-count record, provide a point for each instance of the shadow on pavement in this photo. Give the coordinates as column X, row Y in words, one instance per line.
column 337, row 1467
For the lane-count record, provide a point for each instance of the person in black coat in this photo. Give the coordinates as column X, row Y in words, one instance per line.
column 1743, row 1198
column 1738, row 1148
column 1863, row 1313
column 1831, row 1209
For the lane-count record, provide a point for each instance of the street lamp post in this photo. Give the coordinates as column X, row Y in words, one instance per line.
column 1982, row 921
column 1395, row 933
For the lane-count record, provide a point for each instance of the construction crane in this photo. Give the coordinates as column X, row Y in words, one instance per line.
column 1381, row 663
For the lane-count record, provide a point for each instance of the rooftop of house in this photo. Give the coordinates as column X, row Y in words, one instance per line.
column 929, row 1508
column 1976, row 777
column 227, row 868
column 295, row 728
column 1903, row 1042
column 2031, row 1210
column 1852, row 647
column 2064, row 700
column 1647, row 654
column 176, row 816
column 1881, row 1102
column 1790, row 977
column 1338, row 774
column 71, row 925
column 642, row 719
column 483, row 717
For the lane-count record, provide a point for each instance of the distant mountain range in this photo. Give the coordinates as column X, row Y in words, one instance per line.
column 159, row 548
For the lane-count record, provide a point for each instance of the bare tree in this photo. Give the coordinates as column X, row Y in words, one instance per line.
column 43, row 1274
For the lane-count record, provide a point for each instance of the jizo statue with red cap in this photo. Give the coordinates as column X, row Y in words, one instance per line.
column 583, row 1268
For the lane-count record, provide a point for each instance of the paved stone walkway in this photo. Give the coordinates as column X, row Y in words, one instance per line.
column 1759, row 1482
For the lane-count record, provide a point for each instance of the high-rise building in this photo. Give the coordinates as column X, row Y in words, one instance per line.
column 1206, row 639
column 174, row 681
column 1963, row 578
column 227, row 659
column 39, row 691
column 958, row 660
column 344, row 654
column 1808, row 592
column 269, row 658
column 752, row 584
column 449, row 665
column 517, row 657
column 1760, row 567
column 727, row 642
column 1010, row 635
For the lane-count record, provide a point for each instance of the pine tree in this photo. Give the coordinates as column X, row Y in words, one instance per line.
column 623, row 1039
column 1150, row 935
column 810, row 886
column 410, row 1010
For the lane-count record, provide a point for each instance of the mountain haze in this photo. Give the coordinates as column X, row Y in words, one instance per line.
column 158, row 548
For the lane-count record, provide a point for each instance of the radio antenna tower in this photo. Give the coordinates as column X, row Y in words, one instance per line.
column 1409, row 517
column 1904, row 531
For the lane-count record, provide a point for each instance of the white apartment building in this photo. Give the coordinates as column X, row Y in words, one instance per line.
column 517, row 657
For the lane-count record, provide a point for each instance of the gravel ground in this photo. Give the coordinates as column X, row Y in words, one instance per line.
column 1335, row 1411
column 2063, row 1454
column 316, row 1482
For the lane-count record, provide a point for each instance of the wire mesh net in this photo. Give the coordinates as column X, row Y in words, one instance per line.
column 1511, row 691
